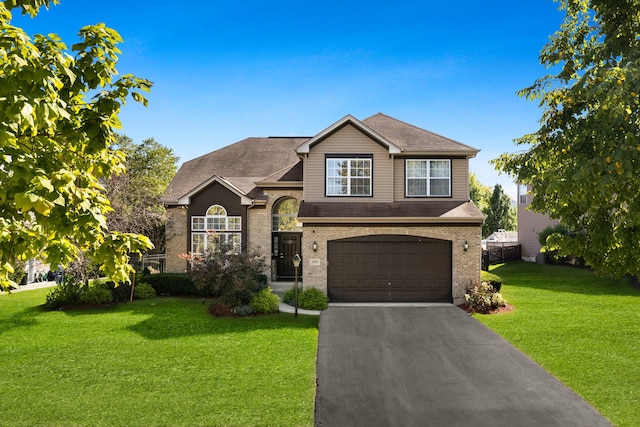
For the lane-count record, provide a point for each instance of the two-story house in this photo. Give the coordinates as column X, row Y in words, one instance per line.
column 378, row 210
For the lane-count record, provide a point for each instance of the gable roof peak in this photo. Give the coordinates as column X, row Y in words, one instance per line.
column 348, row 120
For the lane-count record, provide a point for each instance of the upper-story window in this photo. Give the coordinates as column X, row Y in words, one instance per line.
column 522, row 194
column 216, row 230
column 428, row 178
column 349, row 176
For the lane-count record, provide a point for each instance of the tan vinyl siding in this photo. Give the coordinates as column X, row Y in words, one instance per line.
column 459, row 180
column 348, row 140
column 530, row 224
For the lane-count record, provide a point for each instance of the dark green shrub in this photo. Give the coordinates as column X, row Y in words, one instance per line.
column 483, row 298
column 289, row 296
column 96, row 294
column 144, row 291
column 493, row 279
column 263, row 280
column 171, row 284
column 68, row 292
column 265, row 301
column 120, row 293
column 313, row 299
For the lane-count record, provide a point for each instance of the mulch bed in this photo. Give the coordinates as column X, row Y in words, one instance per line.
column 505, row 309
column 220, row 310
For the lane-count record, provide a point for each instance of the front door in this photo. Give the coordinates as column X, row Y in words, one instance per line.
column 288, row 245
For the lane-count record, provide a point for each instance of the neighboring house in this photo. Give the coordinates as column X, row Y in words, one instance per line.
column 378, row 209
column 530, row 224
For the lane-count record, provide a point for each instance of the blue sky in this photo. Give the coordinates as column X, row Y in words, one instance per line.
column 225, row 70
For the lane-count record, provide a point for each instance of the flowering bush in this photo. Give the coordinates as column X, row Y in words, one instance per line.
column 483, row 298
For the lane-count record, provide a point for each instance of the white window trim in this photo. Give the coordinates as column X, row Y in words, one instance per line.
column 228, row 226
column 427, row 178
column 348, row 177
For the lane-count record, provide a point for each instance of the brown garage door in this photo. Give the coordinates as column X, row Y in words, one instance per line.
column 389, row 268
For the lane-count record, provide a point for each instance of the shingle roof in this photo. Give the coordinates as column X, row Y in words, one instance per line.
column 275, row 159
column 259, row 157
column 454, row 211
column 411, row 138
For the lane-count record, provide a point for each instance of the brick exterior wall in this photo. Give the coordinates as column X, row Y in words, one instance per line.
column 176, row 230
column 259, row 225
column 466, row 264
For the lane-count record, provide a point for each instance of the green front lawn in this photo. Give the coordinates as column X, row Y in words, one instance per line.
column 583, row 329
column 160, row 362
column 166, row 362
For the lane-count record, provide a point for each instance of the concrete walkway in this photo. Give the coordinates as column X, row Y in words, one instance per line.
column 432, row 366
column 33, row 285
column 279, row 288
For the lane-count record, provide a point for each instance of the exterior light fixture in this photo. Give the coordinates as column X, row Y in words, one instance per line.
column 465, row 246
column 315, row 246
column 296, row 263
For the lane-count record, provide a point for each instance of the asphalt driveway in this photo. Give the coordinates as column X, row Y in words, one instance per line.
column 432, row 366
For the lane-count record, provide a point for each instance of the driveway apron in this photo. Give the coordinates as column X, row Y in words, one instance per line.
column 432, row 366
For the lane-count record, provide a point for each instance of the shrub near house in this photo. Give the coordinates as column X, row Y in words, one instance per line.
column 308, row 299
column 232, row 277
column 485, row 298
column 237, row 280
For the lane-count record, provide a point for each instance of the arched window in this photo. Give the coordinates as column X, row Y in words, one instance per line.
column 285, row 215
column 216, row 231
column 216, row 210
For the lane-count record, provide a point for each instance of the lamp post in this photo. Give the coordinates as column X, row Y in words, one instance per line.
column 296, row 264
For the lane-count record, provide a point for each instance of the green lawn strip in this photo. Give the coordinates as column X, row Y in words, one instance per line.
column 581, row 328
column 160, row 362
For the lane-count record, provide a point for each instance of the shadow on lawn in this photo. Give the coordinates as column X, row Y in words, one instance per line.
column 562, row 278
column 172, row 317
column 21, row 319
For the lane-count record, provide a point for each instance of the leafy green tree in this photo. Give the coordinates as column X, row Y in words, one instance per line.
column 60, row 109
column 135, row 194
column 479, row 193
column 500, row 214
column 583, row 161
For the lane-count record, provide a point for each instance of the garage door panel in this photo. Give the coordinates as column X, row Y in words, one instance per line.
column 360, row 269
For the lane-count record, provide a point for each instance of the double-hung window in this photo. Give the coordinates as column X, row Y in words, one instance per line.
column 216, row 231
column 348, row 176
column 428, row 178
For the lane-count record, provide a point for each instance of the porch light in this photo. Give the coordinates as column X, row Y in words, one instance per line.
column 315, row 246
column 296, row 264
column 465, row 246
